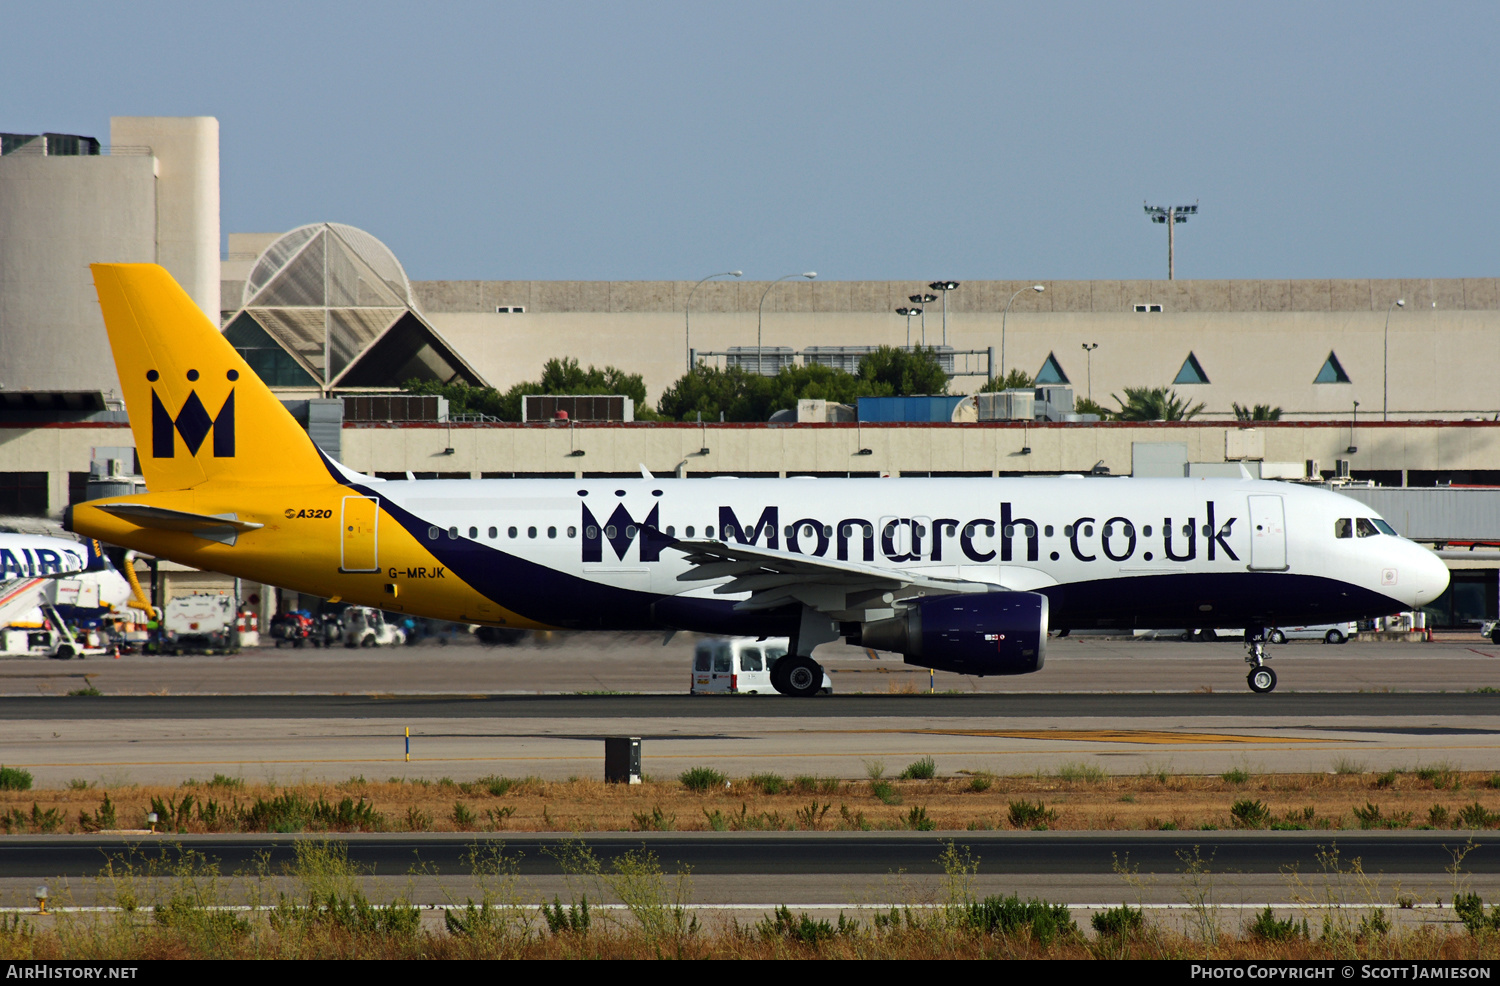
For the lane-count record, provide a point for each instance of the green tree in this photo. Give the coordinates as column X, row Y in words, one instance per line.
column 1016, row 379
column 1260, row 412
column 559, row 376
column 1154, row 404
column 743, row 396
column 905, row 371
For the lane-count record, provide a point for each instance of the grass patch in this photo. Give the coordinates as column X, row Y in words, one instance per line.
column 1248, row 814
column 14, row 779
column 920, row 770
column 1235, row 775
column 886, row 792
column 701, row 779
column 1029, row 815
column 768, row 783
column 1344, row 765
column 1082, row 772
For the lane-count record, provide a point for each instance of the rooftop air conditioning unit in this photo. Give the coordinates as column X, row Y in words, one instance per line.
column 1341, row 468
column 1313, row 470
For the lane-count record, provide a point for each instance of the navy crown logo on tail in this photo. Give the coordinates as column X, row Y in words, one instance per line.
column 192, row 422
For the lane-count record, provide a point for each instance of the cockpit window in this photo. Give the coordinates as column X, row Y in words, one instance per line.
column 1343, row 528
column 1363, row 528
column 1383, row 527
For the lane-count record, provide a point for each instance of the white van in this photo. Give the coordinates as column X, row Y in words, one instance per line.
column 740, row 666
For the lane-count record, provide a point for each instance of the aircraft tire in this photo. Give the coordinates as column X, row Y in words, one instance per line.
column 778, row 676
column 804, row 677
column 1261, row 680
column 1277, row 637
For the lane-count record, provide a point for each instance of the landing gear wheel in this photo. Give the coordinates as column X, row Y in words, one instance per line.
column 1277, row 637
column 1333, row 637
column 1261, row 680
column 801, row 677
column 778, row 676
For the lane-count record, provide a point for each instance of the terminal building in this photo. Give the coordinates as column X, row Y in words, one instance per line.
column 1384, row 383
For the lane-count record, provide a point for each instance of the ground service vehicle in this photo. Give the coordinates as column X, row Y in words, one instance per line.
column 963, row 575
column 365, row 626
column 1329, row 633
column 740, row 665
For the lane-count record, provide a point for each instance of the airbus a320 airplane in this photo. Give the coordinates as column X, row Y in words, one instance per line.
column 963, row 575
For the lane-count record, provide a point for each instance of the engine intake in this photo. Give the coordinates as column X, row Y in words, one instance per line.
column 991, row 633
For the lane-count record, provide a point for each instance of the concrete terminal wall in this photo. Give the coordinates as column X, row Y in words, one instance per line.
column 1259, row 342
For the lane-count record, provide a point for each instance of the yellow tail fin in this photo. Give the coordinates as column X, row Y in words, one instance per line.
column 198, row 412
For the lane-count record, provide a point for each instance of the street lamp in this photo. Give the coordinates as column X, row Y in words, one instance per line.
column 1089, row 347
column 909, row 312
column 945, row 287
column 1171, row 215
column 1385, row 366
column 761, row 311
column 1038, row 288
column 687, row 331
column 921, row 299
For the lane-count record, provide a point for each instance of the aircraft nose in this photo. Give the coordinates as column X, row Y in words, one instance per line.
column 1429, row 577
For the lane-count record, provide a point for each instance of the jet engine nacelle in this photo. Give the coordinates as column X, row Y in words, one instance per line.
column 988, row 633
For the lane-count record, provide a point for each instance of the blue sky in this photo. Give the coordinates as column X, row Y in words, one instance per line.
column 870, row 140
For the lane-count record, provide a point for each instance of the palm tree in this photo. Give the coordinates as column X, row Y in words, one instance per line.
column 1154, row 404
column 1260, row 412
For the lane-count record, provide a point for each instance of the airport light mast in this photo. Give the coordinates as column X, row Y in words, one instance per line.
column 945, row 287
column 1171, row 215
column 909, row 312
column 924, row 300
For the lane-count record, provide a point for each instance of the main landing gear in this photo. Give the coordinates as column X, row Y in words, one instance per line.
column 800, row 677
column 1261, row 678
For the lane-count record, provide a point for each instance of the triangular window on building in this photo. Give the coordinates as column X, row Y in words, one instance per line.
column 1191, row 372
column 274, row 365
column 1332, row 371
column 1051, row 372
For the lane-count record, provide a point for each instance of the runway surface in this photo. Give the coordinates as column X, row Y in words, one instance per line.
column 713, row 853
column 581, row 663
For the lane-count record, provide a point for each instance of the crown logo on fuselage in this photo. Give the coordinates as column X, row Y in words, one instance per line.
column 192, row 422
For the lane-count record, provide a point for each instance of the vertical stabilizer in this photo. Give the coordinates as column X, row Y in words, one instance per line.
column 199, row 413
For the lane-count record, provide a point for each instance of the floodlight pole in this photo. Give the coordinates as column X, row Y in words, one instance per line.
column 945, row 287
column 909, row 312
column 1385, row 372
column 687, row 328
column 1171, row 215
column 760, row 313
column 1089, row 347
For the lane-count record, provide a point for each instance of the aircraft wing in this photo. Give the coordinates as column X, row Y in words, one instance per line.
column 838, row 589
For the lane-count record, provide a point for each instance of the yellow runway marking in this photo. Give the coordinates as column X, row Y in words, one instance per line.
column 1149, row 736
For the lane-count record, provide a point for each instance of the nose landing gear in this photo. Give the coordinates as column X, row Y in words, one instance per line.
column 1261, row 678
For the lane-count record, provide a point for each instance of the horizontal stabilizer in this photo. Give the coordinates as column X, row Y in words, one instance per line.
column 212, row 527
